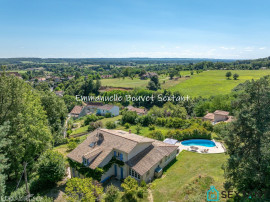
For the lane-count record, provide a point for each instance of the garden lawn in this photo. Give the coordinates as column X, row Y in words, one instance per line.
column 185, row 170
column 104, row 121
column 144, row 131
column 214, row 82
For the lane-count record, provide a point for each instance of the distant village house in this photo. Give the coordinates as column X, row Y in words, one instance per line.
column 218, row 116
column 139, row 111
column 112, row 109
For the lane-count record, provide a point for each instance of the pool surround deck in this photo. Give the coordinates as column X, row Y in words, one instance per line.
column 219, row 148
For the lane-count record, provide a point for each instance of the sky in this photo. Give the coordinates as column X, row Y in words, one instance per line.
column 225, row 29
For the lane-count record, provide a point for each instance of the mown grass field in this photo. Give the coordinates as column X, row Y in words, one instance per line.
column 214, row 82
column 181, row 175
column 84, row 128
column 138, row 83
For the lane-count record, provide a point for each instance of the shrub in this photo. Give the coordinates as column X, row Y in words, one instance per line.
column 90, row 118
column 152, row 127
column 138, row 128
column 158, row 135
column 51, row 167
column 127, row 125
column 95, row 125
column 208, row 125
column 161, row 121
column 146, row 120
column 191, row 133
column 110, row 125
column 86, row 189
column 69, row 132
column 108, row 115
column 112, row 194
column 71, row 145
column 176, row 123
column 129, row 117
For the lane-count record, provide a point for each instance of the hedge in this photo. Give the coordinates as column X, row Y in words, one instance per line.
column 194, row 133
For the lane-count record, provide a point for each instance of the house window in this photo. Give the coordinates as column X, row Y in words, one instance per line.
column 118, row 155
column 85, row 161
column 134, row 174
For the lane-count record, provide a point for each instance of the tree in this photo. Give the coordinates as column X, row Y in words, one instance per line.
column 171, row 75
column 4, row 142
column 29, row 133
column 112, row 194
column 89, row 86
column 85, row 190
column 110, row 125
column 129, row 117
column 154, row 83
column 77, row 75
column 248, row 140
column 70, row 102
column 51, row 167
column 138, row 128
column 56, row 112
column 97, row 86
column 132, row 191
column 157, row 134
column 130, row 186
column 228, row 75
column 235, row 76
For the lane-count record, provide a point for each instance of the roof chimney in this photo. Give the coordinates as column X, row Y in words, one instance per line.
column 129, row 131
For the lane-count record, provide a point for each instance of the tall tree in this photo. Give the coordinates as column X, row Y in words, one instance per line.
column 4, row 143
column 56, row 111
column 29, row 132
column 248, row 140
column 51, row 167
column 154, row 83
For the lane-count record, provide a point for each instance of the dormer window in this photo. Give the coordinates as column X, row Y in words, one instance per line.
column 85, row 161
column 118, row 155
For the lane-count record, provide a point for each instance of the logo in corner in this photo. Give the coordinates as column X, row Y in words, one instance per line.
column 212, row 194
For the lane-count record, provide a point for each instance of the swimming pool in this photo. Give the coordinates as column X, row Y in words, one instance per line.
column 198, row 142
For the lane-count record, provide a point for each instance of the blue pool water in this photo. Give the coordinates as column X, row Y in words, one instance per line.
column 198, row 142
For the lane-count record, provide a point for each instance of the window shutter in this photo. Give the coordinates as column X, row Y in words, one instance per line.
column 121, row 157
column 115, row 153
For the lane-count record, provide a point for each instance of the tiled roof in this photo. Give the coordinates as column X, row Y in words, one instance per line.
column 97, row 149
column 209, row 116
column 137, row 110
column 153, row 154
column 106, row 107
column 220, row 112
column 76, row 110
column 230, row 119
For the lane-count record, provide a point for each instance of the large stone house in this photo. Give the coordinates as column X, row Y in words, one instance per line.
column 218, row 116
column 143, row 158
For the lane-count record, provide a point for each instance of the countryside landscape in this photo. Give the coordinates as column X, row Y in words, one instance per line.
column 134, row 101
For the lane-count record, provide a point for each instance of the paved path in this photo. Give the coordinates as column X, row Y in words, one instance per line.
column 150, row 196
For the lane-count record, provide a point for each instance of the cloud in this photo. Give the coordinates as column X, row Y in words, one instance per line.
column 227, row 48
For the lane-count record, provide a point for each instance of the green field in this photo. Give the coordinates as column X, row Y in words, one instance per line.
column 181, row 175
column 85, row 128
column 138, row 83
column 214, row 82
